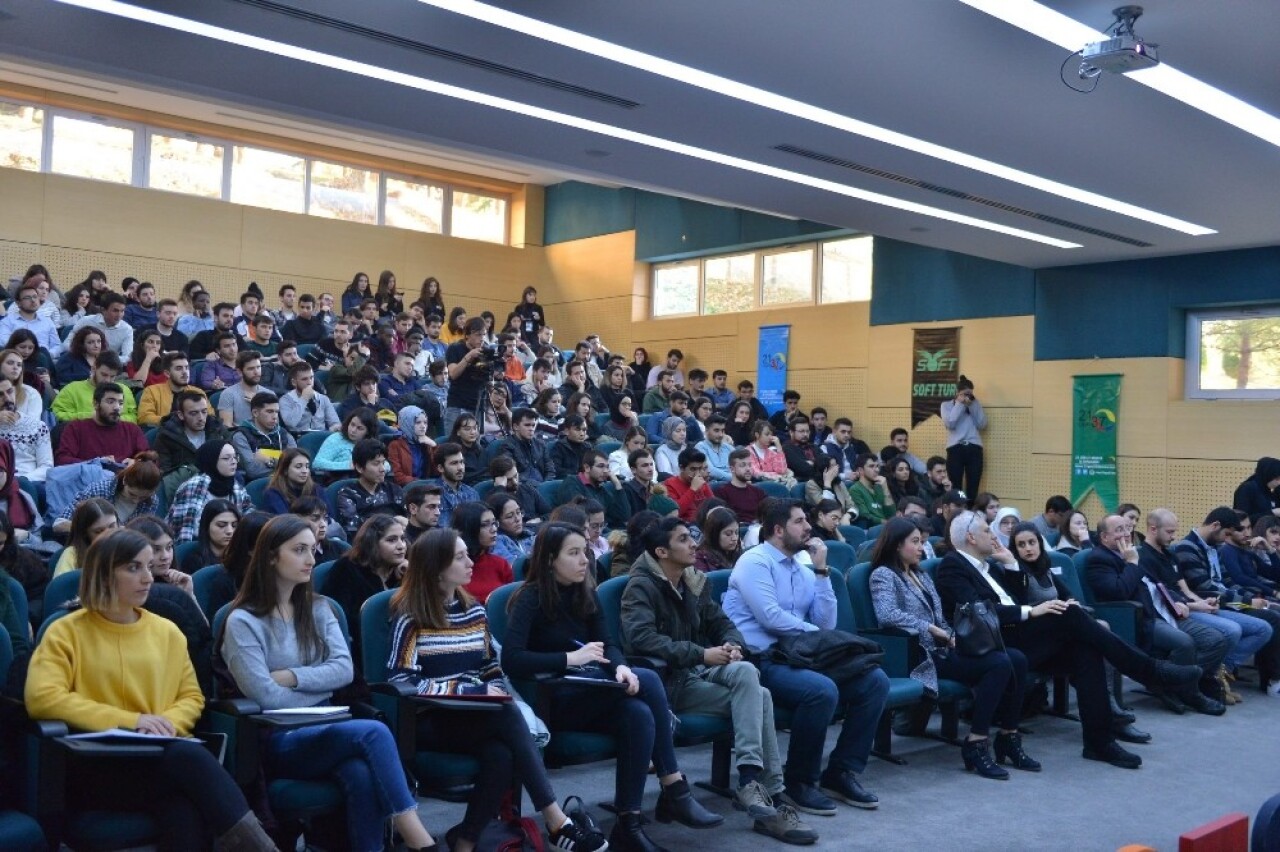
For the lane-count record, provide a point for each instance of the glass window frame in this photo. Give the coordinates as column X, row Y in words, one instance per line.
column 150, row 131
column 814, row 247
column 820, row 275
column 141, row 166
column 140, row 148
column 1194, row 330
column 675, row 264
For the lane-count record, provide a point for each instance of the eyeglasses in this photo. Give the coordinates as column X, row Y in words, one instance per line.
column 492, row 522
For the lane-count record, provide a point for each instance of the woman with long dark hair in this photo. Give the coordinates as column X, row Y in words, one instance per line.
column 633, row 439
column 455, row 328
column 440, row 645
column 290, row 480
column 285, row 649
column 21, row 563
column 556, row 623
column 532, row 316
column 132, row 491
column 334, row 455
column 28, row 397
column 235, row 559
column 738, row 429
column 357, row 291
column 902, row 479
column 390, row 302
column 1073, row 533
column 826, row 484
column 218, row 522
column 904, row 597
column 514, row 540
column 375, row 563
column 37, row 364
column 432, row 298
column 76, row 364
column 720, row 546
column 112, row 664
column 477, row 525
column 144, row 365
column 90, row 519
column 640, row 368
column 78, row 305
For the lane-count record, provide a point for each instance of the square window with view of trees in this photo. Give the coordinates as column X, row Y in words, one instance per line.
column 675, row 289
column 21, row 136
column 730, row 284
column 1235, row 354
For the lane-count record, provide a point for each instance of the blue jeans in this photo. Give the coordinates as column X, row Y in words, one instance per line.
column 813, row 699
column 1245, row 634
column 361, row 756
column 641, row 722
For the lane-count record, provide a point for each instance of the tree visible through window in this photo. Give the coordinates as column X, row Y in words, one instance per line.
column 1240, row 353
column 21, row 136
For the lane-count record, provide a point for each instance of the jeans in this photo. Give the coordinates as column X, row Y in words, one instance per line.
column 999, row 682
column 641, row 723
column 187, row 792
column 501, row 741
column 1245, row 634
column 813, row 699
column 734, row 690
column 361, row 756
column 964, row 467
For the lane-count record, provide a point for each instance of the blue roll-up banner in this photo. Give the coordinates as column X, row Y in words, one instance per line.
column 771, row 378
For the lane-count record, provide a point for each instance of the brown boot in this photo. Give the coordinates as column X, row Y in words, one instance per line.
column 246, row 835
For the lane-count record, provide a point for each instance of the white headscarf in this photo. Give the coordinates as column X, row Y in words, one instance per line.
column 1007, row 511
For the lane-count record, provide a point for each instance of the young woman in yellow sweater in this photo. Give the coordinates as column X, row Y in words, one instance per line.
column 111, row 665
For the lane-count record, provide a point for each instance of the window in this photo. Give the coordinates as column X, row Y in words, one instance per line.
column 675, row 289
column 787, row 277
column 1234, row 354
column 478, row 217
column 731, row 284
column 92, row 149
column 21, row 136
column 413, row 205
column 846, row 270
column 268, row 179
column 343, row 192
column 180, row 164
column 41, row 138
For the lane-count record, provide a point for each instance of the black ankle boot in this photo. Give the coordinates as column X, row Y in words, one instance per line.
column 628, row 836
column 676, row 802
column 978, row 759
column 1009, row 747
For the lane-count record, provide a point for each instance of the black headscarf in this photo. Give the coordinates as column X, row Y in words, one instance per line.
column 207, row 462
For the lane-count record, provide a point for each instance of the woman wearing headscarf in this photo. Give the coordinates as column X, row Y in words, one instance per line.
column 622, row 416
column 13, row 501
column 667, row 457
column 1006, row 519
column 216, row 461
column 410, row 452
column 1256, row 495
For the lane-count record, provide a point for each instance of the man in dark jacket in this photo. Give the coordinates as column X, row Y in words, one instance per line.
column 1256, row 495
column 668, row 613
column 186, row 430
column 595, row 482
column 802, row 456
column 528, row 452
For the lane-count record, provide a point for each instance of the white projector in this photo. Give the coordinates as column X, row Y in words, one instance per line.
column 1120, row 55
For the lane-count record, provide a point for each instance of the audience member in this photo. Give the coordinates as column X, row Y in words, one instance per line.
column 742, row 497
column 1256, row 495
column 216, row 461
column 781, row 419
column 29, row 437
column 218, row 521
column 259, row 440
column 76, row 363
column 370, row 492
column 1056, row 509
column 105, row 436
column 184, row 431
column 78, row 400
column 964, row 420
column 157, row 400
column 290, row 480
column 801, row 454
column 870, row 493
column 334, row 455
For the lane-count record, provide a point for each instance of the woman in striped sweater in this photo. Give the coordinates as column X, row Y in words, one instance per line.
column 440, row 643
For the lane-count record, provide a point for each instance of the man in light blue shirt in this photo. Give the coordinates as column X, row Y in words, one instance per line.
column 717, row 449
column 22, row 314
column 783, row 587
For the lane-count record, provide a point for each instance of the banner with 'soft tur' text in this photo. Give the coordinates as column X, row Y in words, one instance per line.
column 1095, row 420
column 934, row 371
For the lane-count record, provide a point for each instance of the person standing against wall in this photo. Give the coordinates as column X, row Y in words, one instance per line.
column 965, row 420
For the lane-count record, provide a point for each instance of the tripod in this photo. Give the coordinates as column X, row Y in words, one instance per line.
column 485, row 406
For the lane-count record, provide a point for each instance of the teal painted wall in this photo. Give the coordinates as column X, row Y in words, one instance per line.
column 1138, row 308
column 912, row 283
column 667, row 228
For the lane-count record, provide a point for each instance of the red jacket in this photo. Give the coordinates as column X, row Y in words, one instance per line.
column 488, row 573
column 686, row 498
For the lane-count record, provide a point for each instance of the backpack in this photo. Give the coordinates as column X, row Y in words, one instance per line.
column 510, row 832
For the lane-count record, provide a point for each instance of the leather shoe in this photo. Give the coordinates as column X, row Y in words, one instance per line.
column 1204, row 704
column 1009, row 747
column 1127, row 733
column 845, row 787
column 807, row 798
column 1171, row 702
column 676, row 802
column 978, row 759
column 1113, row 754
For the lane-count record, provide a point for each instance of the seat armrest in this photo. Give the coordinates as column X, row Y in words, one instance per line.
column 48, row 728
column 639, row 661
column 902, row 649
column 236, row 707
column 396, row 688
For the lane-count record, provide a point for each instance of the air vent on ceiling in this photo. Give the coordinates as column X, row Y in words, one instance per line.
column 441, row 53
column 956, row 193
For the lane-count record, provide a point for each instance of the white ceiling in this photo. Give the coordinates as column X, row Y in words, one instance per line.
column 935, row 69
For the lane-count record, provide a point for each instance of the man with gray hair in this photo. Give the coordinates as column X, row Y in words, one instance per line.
column 1050, row 634
column 1114, row 574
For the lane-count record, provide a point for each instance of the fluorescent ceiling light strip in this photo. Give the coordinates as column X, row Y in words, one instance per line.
column 800, row 109
column 363, row 69
column 1070, row 34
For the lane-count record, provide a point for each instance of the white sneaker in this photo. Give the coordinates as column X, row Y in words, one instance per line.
column 1273, row 689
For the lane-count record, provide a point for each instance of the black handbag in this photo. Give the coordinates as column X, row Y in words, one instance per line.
column 977, row 629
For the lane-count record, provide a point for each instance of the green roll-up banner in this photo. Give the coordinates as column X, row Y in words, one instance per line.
column 1093, row 439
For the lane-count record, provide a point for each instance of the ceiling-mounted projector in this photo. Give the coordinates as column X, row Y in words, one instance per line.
column 1119, row 55
column 1121, row 52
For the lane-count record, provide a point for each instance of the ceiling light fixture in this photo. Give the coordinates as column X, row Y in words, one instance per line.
column 1065, row 32
column 800, row 109
column 399, row 78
